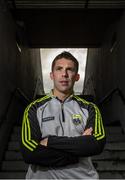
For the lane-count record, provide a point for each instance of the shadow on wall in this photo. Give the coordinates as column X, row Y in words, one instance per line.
column 113, row 108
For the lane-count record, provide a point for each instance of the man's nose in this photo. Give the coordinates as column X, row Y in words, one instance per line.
column 65, row 73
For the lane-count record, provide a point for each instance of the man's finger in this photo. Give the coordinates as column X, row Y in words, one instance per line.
column 88, row 131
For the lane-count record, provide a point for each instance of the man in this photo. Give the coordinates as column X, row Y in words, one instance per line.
column 61, row 131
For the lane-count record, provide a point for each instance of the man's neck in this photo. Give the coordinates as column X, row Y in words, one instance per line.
column 62, row 96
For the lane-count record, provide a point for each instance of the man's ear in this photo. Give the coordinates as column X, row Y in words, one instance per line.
column 51, row 75
column 77, row 77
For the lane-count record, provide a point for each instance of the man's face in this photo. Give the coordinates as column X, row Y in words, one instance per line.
column 64, row 75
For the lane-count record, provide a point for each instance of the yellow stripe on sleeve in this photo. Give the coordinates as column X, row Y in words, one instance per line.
column 26, row 129
column 99, row 128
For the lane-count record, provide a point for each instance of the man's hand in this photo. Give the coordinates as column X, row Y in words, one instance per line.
column 88, row 132
column 44, row 142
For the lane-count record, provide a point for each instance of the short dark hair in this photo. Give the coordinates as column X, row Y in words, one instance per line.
column 66, row 55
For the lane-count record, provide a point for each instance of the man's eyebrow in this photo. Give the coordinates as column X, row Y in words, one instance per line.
column 68, row 67
column 58, row 66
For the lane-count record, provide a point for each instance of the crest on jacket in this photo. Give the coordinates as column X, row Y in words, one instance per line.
column 77, row 119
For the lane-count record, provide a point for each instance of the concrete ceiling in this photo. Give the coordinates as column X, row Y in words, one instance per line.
column 65, row 23
column 67, row 3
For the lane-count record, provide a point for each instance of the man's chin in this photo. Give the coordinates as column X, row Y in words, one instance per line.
column 66, row 91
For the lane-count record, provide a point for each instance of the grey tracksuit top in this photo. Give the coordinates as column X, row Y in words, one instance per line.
column 67, row 155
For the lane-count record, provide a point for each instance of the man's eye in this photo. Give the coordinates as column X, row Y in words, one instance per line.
column 71, row 69
column 58, row 68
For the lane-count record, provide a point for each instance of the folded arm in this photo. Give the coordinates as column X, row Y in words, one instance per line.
column 35, row 153
column 91, row 142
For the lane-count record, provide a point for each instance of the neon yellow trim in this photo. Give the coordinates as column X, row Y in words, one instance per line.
column 29, row 136
column 35, row 142
column 100, row 123
column 103, row 128
column 103, row 131
column 96, row 122
column 74, row 116
column 29, row 133
column 31, row 149
column 80, row 99
column 99, row 129
column 26, row 131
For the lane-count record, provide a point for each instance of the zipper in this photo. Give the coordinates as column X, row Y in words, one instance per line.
column 62, row 111
column 63, row 116
column 61, row 126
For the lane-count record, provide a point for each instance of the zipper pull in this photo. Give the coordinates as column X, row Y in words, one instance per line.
column 63, row 116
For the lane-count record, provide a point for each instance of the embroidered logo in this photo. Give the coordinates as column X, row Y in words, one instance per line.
column 77, row 119
column 48, row 119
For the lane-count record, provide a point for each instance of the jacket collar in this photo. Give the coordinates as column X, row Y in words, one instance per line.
column 69, row 98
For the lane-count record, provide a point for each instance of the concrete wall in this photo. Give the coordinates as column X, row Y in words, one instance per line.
column 30, row 74
column 105, row 72
column 18, row 69
column 121, row 60
column 8, row 55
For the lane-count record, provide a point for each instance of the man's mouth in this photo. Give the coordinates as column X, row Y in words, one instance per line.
column 64, row 82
